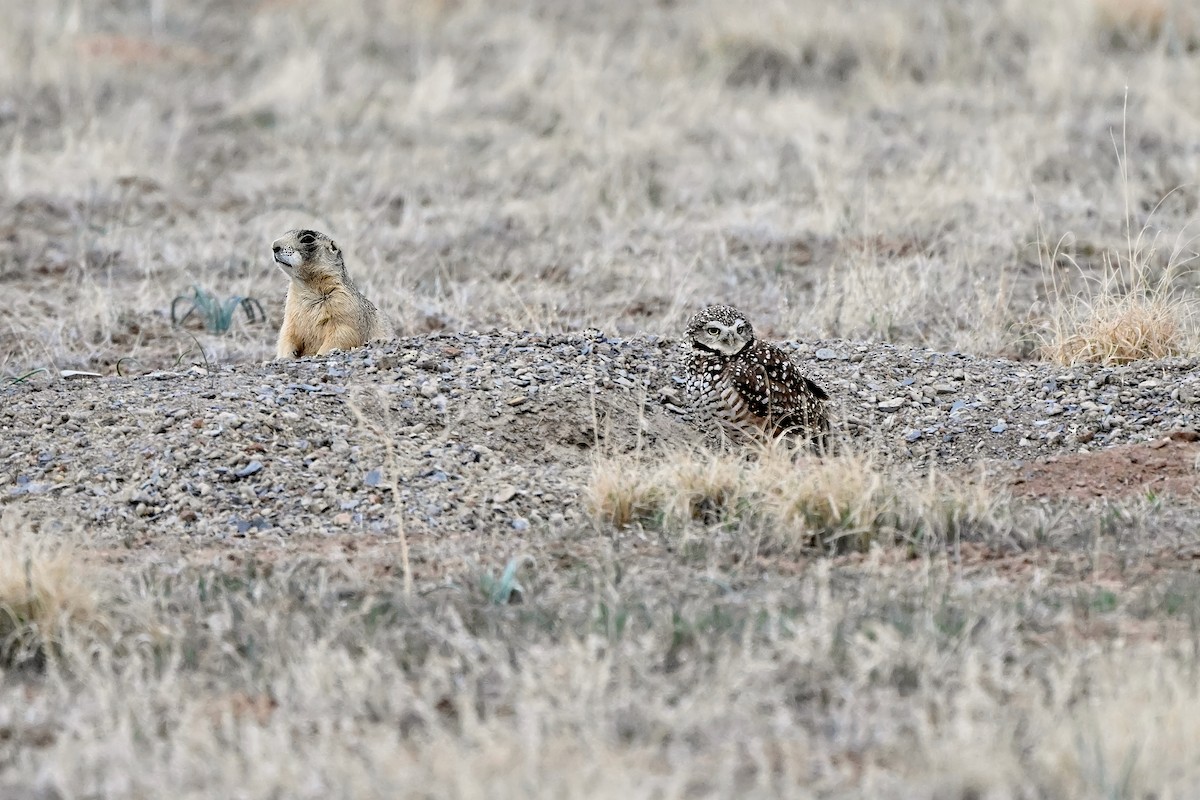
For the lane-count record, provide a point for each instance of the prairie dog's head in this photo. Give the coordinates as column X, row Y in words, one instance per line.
column 720, row 329
column 304, row 254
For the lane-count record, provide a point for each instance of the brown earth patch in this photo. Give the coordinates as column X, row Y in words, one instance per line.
column 1166, row 466
column 131, row 51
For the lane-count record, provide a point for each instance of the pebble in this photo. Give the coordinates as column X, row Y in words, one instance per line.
column 252, row 468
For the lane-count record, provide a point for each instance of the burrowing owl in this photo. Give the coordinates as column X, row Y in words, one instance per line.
column 749, row 387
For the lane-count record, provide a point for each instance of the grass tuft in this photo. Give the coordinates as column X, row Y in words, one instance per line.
column 506, row 588
column 217, row 314
column 788, row 502
column 1130, row 312
column 1117, row 330
column 44, row 594
column 1135, row 308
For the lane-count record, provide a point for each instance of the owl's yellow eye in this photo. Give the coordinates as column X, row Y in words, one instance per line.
column 714, row 330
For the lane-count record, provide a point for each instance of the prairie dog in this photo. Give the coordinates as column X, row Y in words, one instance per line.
column 324, row 309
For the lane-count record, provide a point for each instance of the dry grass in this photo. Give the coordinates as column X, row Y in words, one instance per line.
column 1133, row 310
column 1119, row 328
column 825, row 168
column 640, row 676
column 47, row 593
column 1138, row 304
column 788, row 502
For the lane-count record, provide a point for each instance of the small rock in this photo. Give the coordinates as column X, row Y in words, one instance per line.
column 520, row 524
column 505, row 493
column 944, row 388
column 1000, row 427
column 248, row 470
column 228, row 420
column 516, row 401
column 912, row 436
column 344, row 518
column 825, row 354
column 895, row 404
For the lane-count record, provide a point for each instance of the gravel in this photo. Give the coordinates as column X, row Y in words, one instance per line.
column 496, row 432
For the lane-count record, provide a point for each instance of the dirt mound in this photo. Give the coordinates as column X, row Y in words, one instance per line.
column 1164, row 466
column 495, row 432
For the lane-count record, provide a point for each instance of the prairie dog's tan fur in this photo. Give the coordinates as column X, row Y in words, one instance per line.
column 324, row 310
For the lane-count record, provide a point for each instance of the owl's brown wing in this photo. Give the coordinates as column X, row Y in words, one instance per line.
column 772, row 385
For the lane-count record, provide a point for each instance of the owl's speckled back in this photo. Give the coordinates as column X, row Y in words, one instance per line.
column 749, row 388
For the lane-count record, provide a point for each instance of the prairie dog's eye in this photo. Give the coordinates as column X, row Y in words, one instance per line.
column 713, row 330
column 307, row 238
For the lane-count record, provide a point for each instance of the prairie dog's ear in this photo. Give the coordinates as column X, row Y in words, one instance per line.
column 333, row 248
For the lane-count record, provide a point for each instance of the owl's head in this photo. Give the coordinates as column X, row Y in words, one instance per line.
column 720, row 329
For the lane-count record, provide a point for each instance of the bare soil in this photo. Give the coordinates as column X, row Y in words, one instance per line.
column 1166, row 466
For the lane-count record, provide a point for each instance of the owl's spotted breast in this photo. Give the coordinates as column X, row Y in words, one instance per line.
column 754, row 392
